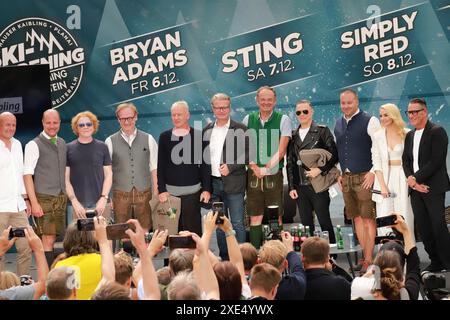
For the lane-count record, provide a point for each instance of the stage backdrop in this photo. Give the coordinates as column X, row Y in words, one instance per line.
column 103, row 52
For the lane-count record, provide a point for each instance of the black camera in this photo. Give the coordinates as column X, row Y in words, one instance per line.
column 85, row 224
column 18, row 232
column 91, row 213
column 26, row 280
column 220, row 208
column 184, row 242
column 274, row 228
column 434, row 285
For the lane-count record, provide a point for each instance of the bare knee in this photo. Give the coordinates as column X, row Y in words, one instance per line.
column 256, row 220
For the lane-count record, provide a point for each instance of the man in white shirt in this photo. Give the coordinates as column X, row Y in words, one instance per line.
column 354, row 131
column 44, row 177
column 424, row 164
column 134, row 156
column 228, row 146
column 13, row 209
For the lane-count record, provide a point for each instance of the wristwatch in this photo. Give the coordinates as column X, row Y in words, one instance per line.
column 104, row 196
column 230, row 233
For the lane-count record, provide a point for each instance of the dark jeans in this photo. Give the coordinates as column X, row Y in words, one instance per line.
column 190, row 216
column 429, row 212
column 308, row 201
column 234, row 209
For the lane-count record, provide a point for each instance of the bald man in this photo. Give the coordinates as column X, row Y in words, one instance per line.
column 44, row 166
column 13, row 209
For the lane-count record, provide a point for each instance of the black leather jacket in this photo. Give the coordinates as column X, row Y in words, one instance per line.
column 318, row 136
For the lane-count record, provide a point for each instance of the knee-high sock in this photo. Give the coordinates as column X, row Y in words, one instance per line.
column 256, row 234
column 49, row 256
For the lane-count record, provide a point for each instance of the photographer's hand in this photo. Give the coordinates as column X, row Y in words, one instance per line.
column 149, row 278
column 209, row 222
column 100, row 230
column 226, row 226
column 287, row 240
column 41, row 262
column 157, row 243
column 5, row 243
column 402, row 227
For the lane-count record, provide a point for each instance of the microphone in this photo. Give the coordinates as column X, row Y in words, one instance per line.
column 390, row 194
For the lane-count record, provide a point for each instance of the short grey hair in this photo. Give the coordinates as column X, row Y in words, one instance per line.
column 57, row 281
column 183, row 287
column 220, row 96
column 180, row 103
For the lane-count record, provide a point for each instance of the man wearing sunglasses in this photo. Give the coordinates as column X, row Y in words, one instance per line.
column 354, row 132
column 424, row 164
column 134, row 155
column 310, row 135
column 88, row 168
column 44, row 167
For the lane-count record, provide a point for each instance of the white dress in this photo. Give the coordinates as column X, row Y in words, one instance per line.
column 396, row 183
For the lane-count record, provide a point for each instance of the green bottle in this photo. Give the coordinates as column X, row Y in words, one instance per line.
column 339, row 238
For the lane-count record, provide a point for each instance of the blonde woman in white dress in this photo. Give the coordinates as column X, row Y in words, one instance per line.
column 387, row 150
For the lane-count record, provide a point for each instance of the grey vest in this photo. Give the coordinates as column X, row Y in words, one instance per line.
column 130, row 165
column 49, row 174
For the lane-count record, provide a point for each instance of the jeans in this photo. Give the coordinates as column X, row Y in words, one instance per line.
column 234, row 209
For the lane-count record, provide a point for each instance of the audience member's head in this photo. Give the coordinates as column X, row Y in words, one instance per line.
column 8, row 279
column 123, row 264
column 249, row 255
column 111, row 291
column 60, row 284
column 183, row 287
column 180, row 260
column 264, row 280
column 163, row 275
column 396, row 246
column 78, row 242
column 274, row 252
column 315, row 252
column 230, row 283
column 391, row 274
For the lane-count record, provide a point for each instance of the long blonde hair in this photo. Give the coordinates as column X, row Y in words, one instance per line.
column 394, row 113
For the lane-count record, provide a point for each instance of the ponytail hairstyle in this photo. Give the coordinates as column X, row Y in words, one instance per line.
column 391, row 274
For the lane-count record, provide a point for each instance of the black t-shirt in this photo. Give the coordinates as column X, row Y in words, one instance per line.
column 86, row 163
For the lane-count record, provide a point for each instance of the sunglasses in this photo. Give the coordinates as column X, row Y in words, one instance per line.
column 299, row 112
column 87, row 124
column 413, row 112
